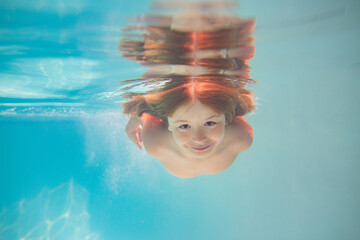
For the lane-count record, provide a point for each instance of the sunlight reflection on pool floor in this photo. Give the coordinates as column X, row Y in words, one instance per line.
column 59, row 213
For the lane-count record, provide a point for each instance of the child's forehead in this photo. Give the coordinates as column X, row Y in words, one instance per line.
column 194, row 110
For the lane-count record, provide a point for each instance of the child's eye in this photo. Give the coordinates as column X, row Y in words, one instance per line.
column 185, row 126
column 210, row 124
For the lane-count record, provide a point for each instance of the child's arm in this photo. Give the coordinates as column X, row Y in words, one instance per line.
column 133, row 130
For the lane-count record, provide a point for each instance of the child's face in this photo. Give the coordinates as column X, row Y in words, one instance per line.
column 197, row 129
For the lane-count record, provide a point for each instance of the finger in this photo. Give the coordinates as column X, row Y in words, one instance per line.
column 138, row 145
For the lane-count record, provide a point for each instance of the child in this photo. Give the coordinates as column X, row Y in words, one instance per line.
column 194, row 123
column 193, row 126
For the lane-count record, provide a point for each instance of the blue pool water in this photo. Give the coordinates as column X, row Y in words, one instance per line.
column 68, row 171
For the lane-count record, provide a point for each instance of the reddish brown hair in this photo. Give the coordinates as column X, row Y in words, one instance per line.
column 223, row 96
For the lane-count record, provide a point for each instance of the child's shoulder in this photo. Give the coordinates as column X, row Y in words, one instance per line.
column 240, row 133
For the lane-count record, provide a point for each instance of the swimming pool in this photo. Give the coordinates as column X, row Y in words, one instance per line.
column 68, row 170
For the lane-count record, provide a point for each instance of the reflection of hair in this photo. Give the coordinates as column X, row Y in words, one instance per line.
column 223, row 96
column 210, row 66
column 165, row 46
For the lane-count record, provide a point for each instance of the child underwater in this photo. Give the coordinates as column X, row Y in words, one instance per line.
column 191, row 117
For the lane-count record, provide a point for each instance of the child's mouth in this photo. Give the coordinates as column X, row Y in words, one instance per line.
column 199, row 149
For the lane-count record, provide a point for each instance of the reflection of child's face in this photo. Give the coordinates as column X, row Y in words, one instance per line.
column 197, row 129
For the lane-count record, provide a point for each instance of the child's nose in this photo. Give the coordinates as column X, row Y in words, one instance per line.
column 198, row 136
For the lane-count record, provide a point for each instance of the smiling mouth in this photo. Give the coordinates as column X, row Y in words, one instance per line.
column 200, row 149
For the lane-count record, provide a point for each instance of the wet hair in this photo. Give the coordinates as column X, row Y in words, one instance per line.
column 222, row 96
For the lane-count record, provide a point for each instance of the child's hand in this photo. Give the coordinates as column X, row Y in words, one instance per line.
column 133, row 130
column 135, row 137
